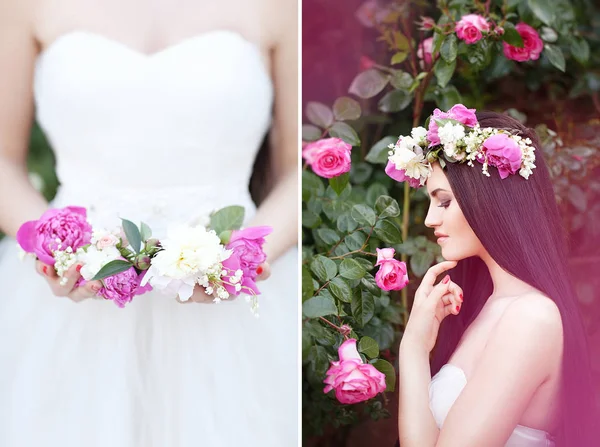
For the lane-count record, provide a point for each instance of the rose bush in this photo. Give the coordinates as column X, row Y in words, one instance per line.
column 362, row 232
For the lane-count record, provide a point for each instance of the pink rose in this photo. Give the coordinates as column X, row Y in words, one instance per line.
column 458, row 112
column 470, row 26
column 353, row 380
column 67, row 227
column 425, row 50
column 504, row 153
column 248, row 254
column 122, row 287
column 392, row 274
column 366, row 63
column 400, row 175
column 108, row 240
column 329, row 157
column 532, row 45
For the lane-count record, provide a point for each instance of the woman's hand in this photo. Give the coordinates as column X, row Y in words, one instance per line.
column 199, row 296
column 68, row 289
column 432, row 304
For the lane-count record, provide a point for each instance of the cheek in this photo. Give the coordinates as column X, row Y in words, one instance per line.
column 462, row 236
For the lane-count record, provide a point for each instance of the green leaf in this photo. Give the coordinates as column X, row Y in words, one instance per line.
column 363, row 214
column 317, row 357
column 340, row 289
column 390, row 373
column 346, row 224
column 133, row 235
column 345, row 108
column 323, row 267
column 449, row 48
column 395, row 101
column 444, row 71
column 374, row 191
column 338, row 184
column 401, row 80
column 421, row 261
column 350, row 269
column 542, row 9
column 360, row 172
column 555, row 56
column 329, row 236
column 146, row 232
column 388, row 232
column 319, row 114
column 387, row 206
column 312, row 185
column 580, row 50
column 310, row 132
column 112, row 268
column 310, row 219
column 379, row 152
column 448, row 97
column 345, row 132
column 511, row 36
column 307, row 284
column 363, row 307
column 364, row 263
column 368, row 83
column 399, row 57
column 368, row 347
column 368, row 283
column 319, row 306
column 228, row 218
column 355, row 241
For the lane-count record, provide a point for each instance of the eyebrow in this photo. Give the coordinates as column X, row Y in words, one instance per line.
column 435, row 191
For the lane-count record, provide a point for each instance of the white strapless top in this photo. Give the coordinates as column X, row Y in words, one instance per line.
column 444, row 389
column 165, row 137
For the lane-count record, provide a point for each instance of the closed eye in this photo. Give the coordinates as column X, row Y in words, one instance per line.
column 445, row 204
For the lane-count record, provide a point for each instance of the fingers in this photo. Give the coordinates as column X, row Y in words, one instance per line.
column 436, row 270
column 264, row 271
column 88, row 290
column 45, row 269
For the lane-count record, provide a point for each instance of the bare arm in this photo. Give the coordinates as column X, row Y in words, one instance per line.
column 522, row 353
column 280, row 207
column 19, row 200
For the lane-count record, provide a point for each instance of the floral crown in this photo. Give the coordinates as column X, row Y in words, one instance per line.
column 456, row 137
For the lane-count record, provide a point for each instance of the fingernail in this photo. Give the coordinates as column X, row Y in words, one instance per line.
column 457, row 308
column 460, row 296
column 45, row 269
column 96, row 288
column 259, row 270
column 446, row 279
column 78, row 268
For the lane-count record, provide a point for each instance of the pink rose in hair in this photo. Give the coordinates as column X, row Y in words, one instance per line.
column 458, row 112
column 504, row 153
column 470, row 26
column 329, row 157
column 65, row 227
column 400, row 175
column 425, row 50
column 532, row 45
column 392, row 274
column 353, row 380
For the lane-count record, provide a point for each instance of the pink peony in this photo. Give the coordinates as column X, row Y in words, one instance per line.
column 64, row 227
column 400, row 175
column 353, row 380
column 122, row 287
column 425, row 50
column 247, row 253
column 504, row 153
column 392, row 274
column 532, row 45
column 458, row 112
column 470, row 26
column 329, row 157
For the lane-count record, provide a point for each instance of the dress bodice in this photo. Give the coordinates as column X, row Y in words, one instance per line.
column 444, row 389
column 169, row 135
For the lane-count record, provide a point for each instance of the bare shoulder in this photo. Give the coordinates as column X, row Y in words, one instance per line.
column 282, row 17
column 535, row 313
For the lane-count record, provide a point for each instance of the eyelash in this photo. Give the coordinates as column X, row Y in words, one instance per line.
column 444, row 204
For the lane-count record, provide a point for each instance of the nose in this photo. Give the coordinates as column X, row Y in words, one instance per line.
column 433, row 218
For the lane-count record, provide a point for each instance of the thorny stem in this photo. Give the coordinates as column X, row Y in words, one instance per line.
column 337, row 328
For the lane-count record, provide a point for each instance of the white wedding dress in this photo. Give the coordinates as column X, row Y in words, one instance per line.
column 444, row 389
column 162, row 138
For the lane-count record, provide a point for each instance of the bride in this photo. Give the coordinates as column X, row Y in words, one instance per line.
column 156, row 112
column 510, row 365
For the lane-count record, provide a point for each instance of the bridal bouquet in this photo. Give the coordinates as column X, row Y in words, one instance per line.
column 221, row 258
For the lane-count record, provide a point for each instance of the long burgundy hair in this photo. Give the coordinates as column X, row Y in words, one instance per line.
column 518, row 223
